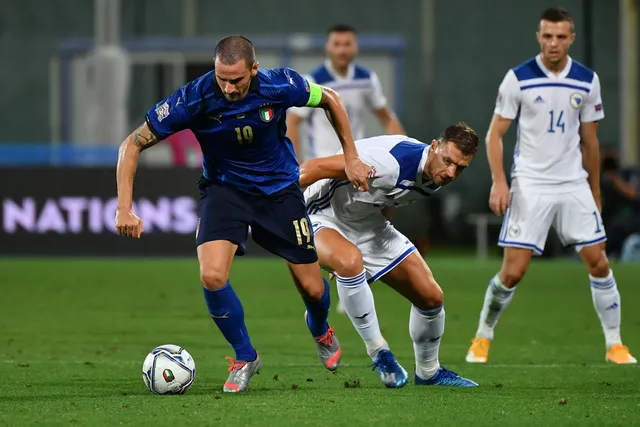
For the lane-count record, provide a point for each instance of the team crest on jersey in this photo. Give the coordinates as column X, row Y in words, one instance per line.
column 576, row 100
column 266, row 113
column 162, row 111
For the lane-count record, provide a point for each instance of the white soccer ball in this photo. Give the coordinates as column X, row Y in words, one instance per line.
column 169, row 369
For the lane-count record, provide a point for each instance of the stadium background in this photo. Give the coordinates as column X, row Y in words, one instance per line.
column 439, row 62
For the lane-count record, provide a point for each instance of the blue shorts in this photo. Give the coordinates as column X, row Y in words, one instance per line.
column 279, row 222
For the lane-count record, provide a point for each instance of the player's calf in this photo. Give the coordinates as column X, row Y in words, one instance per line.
column 607, row 303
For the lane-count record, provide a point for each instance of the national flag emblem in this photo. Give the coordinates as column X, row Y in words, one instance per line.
column 599, row 107
column 266, row 114
column 168, row 375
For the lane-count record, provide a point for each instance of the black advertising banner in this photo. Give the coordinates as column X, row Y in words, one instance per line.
column 70, row 211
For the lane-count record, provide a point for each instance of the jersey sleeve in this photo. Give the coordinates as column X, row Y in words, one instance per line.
column 509, row 96
column 298, row 91
column 175, row 113
column 592, row 110
column 302, row 112
column 386, row 166
column 376, row 98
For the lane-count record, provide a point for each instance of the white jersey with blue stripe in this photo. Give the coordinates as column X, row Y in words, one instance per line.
column 360, row 90
column 548, row 109
column 399, row 162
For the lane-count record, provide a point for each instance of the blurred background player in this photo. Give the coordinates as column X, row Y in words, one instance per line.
column 250, row 178
column 358, row 87
column 360, row 91
column 355, row 239
column 557, row 104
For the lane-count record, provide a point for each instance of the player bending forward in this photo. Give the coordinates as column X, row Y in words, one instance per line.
column 556, row 102
column 250, row 178
column 355, row 240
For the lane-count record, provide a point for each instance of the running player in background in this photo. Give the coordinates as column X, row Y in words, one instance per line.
column 557, row 105
column 358, row 87
column 355, row 240
column 250, row 178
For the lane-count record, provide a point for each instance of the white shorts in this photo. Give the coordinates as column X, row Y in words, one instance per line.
column 574, row 215
column 382, row 247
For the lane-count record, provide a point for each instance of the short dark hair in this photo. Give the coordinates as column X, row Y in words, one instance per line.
column 462, row 136
column 234, row 48
column 556, row 14
column 341, row 28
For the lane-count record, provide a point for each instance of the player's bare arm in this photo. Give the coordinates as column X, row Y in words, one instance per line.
column 127, row 223
column 313, row 170
column 293, row 122
column 591, row 157
column 389, row 121
column 499, row 198
column 357, row 171
column 389, row 211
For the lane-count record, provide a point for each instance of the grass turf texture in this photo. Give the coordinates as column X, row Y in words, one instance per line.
column 75, row 333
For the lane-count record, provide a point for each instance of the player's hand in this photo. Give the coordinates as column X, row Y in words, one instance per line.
column 598, row 199
column 128, row 224
column 499, row 199
column 358, row 172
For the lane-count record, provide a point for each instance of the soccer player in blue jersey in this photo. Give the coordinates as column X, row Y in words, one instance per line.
column 250, row 178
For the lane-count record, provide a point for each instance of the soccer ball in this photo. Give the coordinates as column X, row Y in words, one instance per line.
column 169, row 369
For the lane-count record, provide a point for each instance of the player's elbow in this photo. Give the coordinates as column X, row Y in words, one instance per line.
column 307, row 173
column 330, row 99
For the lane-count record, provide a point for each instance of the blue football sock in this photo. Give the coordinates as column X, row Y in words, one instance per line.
column 226, row 310
column 318, row 312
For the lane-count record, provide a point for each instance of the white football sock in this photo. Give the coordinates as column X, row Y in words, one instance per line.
column 606, row 300
column 426, row 328
column 496, row 299
column 357, row 300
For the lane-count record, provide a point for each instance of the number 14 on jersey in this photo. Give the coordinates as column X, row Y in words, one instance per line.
column 556, row 121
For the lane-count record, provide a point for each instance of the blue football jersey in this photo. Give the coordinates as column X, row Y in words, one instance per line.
column 244, row 143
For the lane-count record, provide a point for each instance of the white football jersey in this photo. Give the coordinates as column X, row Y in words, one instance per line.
column 399, row 162
column 360, row 90
column 548, row 110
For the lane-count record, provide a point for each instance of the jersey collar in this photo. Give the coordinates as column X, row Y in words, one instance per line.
column 549, row 73
column 423, row 162
column 351, row 70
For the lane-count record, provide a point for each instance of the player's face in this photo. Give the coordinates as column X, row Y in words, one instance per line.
column 447, row 162
column 341, row 48
column 555, row 38
column 234, row 80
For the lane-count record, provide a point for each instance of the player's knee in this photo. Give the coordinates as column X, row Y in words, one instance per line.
column 212, row 278
column 348, row 263
column 511, row 275
column 598, row 266
column 312, row 289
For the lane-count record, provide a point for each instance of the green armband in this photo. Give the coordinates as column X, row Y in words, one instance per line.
column 315, row 95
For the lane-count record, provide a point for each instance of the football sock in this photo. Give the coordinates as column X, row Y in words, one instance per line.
column 426, row 327
column 318, row 312
column 357, row 301
column 496, row 300
column 606, row 300
column 227, row 312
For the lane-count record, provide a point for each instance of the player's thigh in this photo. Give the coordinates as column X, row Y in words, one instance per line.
column 578, row 222
column 282, row 227
column 335, row 251
column 413, row 279
column 527, row 221
column 215, row 258
column 515, row 263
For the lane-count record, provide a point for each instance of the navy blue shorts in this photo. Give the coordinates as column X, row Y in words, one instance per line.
column 279, row 222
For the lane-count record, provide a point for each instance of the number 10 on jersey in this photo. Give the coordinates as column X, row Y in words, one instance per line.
column 556, row 121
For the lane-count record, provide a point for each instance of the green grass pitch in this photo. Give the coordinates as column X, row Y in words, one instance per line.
column 74, row 334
